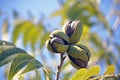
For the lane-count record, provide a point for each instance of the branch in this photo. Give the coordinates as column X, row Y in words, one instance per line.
column 62, row 58
column 107, row 77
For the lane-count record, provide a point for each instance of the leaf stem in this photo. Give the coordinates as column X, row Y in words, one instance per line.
column 62, row 58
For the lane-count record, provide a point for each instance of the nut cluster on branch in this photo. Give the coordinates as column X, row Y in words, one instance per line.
column 65, row 40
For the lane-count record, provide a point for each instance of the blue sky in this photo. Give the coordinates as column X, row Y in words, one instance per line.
column 35, row 6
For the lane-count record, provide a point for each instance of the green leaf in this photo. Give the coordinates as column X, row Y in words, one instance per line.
column 76, row 11
column 65, row 65
column 6, row 45
column 36, row 35
column 110, row 70
column 21, row 27
column 28, row 33
column 32, row 65
column 95, row 70
column 96, row 40
column 47, row 74
column 88, row 6
column 9, row 54
column 79, row 75
column 67, row 76
column 18, row 63
column 44, row 37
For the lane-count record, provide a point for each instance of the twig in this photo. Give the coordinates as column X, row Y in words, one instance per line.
column 107, row 77
column 62, row 58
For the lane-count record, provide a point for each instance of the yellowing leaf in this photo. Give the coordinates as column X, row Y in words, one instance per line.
column 79, row 75
column 95, row 70
column 110, row 70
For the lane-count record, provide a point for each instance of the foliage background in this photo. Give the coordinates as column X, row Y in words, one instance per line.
column 101, row 19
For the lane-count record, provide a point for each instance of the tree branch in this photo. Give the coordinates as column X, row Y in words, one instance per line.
column 62, row 58
column 107, row 77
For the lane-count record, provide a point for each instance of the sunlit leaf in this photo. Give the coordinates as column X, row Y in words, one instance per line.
column 79, row 75
column 28, row 33
column 20, row 27
column 9, row 54
column 85, row 35
column 64, row 18
column 76, row 11
column 110, row 70
column 18, row 63
column 44, row 37
column 36, row 35
column 47, row 75
column 88, row 6
column 21, row 77
column 95, row 70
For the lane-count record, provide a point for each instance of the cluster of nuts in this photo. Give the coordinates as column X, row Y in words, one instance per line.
column 65, row 40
